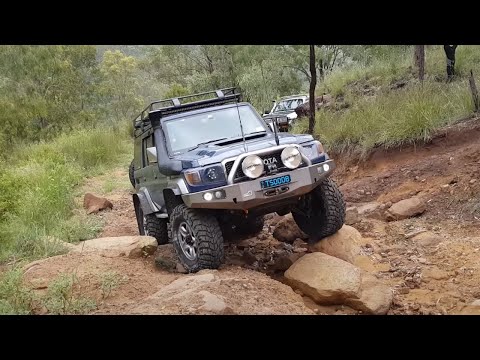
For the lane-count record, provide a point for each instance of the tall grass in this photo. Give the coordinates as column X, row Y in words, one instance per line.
column 15, row 298
column 391, row 118
column 394, row 117
column 36, row 190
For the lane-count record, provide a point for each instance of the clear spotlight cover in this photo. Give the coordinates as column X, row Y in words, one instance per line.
column 291, row 157
column 252, row 166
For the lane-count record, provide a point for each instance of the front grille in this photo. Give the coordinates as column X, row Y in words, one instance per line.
column 228, row 166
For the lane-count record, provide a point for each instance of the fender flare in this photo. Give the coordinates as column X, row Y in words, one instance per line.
column 146, row 203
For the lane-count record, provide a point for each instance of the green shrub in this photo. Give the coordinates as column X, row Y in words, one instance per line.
column 15, row 298
column 62, row 299
column 37, row 190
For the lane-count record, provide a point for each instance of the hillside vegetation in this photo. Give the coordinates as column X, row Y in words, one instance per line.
column 66, row 113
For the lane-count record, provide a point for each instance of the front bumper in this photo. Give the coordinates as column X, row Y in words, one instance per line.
column 249, row 194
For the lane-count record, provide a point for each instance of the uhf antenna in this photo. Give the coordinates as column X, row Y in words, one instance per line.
column 241, row 128
column 274, row 123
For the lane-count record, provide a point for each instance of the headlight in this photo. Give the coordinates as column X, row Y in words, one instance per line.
column 291, row 157
column 209, row 175
column 252, row 166
column 313, row 150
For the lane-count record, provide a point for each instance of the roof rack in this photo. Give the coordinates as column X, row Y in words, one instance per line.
column 161, row 108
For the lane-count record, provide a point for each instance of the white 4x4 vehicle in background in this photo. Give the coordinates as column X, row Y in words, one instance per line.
column 283, row 111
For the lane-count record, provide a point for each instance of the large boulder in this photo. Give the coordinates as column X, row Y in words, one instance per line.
column 344, row 244
column 94, row 204
column 329, row 281
column 325, row 279
column 375, row 297
column 230, row 291
column 130, row 246
column 406, row 208
column 287, row 230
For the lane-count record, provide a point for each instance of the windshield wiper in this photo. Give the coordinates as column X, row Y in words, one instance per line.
column 206, row 142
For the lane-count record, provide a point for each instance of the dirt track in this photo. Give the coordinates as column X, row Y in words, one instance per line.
column 443, row 280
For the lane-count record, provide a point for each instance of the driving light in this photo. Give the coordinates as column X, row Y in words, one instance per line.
column 326, row 167
column 219, row 194
column 208, row 196
column 252, row 166
column 291, row 157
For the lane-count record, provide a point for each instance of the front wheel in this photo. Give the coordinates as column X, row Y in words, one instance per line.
column 197, row 238
column 321, row 212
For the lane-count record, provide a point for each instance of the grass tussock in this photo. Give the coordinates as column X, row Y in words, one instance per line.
column 63, row 296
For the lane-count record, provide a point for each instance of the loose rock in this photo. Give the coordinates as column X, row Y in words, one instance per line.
column 351, row 216
column 288, row 231
column 406, row 208
column 94, row 204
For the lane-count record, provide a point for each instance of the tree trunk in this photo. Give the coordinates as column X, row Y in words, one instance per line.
column 420, row 61
column 321, row 69
column 450, row 54
column 313, row 84
column 473, row 88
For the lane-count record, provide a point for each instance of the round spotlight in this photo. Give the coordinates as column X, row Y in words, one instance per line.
column 252, row 166
column 208, row 196
column 291, row 157
column 218, row 194
column 326, row 167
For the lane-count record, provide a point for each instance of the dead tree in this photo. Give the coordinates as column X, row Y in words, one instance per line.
column 420, row 61
column 313, row 84
column 450, row 53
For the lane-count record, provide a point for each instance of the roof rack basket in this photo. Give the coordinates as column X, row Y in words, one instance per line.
column 161, row 108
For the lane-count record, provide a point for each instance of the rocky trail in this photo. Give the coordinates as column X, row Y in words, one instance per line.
column 411, row 245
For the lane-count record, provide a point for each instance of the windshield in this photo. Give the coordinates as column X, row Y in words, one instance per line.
column 289, row 104
column 187, row 132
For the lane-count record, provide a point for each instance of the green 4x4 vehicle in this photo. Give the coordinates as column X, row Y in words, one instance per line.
column 208, row 163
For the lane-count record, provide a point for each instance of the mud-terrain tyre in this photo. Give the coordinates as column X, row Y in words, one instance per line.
column 250, row 226
column 155, row 227
column 321, row 212
column 197, row 238
column 131, row 169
